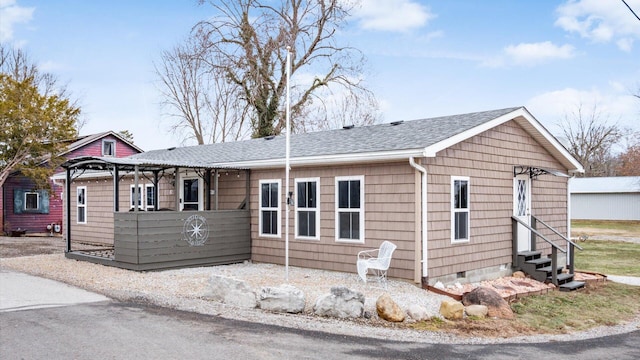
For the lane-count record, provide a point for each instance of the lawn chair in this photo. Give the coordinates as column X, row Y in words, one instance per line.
column 377, row 260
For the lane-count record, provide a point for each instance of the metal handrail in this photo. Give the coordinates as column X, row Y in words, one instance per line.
column 557, row 232
column 538, row 234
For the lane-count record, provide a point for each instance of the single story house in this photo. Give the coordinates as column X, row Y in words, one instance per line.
column 605, row 198
column 445, row 190
column 26, row 207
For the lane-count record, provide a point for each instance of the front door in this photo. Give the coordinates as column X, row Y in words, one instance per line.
column 191, row 194
column 522, row 209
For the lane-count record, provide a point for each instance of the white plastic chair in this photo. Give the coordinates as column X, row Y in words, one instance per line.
column 377, row 260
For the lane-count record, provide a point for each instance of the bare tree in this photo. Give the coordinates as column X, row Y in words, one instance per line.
column 199, row 99
column 248, row 41
column 591, row 140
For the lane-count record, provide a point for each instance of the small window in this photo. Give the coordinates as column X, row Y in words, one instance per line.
column 307, row 208
column 132, row 196
column 150, row 196
column 459, row 209
column 108, row 148
column 350, row 208
column 81, row 204
column 31, row 201
column 269, row 208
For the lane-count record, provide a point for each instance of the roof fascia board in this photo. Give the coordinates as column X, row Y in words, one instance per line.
column 329, row 159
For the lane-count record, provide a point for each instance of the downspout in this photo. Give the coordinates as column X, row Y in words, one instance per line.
column 423, row 212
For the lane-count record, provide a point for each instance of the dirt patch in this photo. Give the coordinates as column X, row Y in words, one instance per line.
column 30, row 245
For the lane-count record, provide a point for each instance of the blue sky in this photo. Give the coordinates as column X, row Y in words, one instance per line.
column 424, row 58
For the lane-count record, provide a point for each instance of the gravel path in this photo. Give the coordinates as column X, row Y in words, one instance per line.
column 183, row 289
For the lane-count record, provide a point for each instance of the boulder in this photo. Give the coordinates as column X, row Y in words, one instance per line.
column 496, row 305
column 418, row 312
column 451, row 309
column 285, row 298
column 519, row 275
column 231, row 291
column 389, row 309
column 479, row 311
column 341, row 303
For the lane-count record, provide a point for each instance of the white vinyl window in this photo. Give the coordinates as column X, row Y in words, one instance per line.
column 350, row 208
column 459, row 209
column 81, row 204
column 108, row 148
column 307, row 208
column 269, row 208
column 149, row 196
column 31, row 201
column 132, row 202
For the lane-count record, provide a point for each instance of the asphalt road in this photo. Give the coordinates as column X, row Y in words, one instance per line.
column 87, row 327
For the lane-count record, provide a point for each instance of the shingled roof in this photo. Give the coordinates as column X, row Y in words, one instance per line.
column 380, row 142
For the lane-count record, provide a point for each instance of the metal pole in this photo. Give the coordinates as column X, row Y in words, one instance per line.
column 287, row 150
column 68, row 205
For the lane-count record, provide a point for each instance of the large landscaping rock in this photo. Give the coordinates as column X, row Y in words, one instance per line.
column 479, row 311
column 388, row 309
column 341, row 303
column 451, row 309
column 231, row 291
column 418, row 312
column 285, row 298
column 497, row 306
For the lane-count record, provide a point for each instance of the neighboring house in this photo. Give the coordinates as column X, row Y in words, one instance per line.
column 605, row 198
column 27, row 208
column 444, row 190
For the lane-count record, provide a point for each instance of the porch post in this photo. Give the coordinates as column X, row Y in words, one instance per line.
column 68, row 225
column 155, row 190
column 207, row 189
column 116, row 189
column 177, row 188
column 514, row 243
column 248, row 190
column 215, row 188
column 533, row 223
column 136, row 191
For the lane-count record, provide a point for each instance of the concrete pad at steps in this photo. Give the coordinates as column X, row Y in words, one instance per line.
column 20, row 291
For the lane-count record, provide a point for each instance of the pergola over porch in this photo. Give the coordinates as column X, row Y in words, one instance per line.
column 163, row 238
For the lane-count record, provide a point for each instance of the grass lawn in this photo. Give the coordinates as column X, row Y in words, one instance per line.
column 609, row 257
column 593, row 228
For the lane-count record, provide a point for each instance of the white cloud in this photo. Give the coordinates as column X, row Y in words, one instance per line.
column 601, row 21
column 392, row 15
column 530, row 54
column 11, row 14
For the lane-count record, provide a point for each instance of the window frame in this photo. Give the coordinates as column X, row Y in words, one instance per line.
column 455, row 210
column 113, row 147
column 360, row 210
column 28, row 209
column 315, row 209
column 79, row 205
column 278, row 209
column 140, row 193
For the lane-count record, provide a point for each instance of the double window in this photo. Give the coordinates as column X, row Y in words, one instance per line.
column 146, row 198
column 308, row 208
column 459, row 209
column 269, row 208
column 350, row 208
column 81, row 204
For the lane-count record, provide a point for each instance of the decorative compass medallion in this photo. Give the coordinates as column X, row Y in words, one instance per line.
column 195, row 230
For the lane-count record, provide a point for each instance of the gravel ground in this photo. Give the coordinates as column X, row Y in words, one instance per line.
column 183, row 289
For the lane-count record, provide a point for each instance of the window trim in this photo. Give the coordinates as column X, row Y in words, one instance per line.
column 140, row 188
column 454, row 210
column 361, row 210
column 278, row 209
column 316, row 209
column 111, row 141
column 79, row 205
column 37, row 208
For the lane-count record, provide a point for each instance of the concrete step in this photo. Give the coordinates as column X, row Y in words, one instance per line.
column 547, row 269
column 539, row 262
column 561, row 278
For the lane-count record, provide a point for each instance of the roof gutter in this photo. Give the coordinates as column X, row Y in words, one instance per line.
column 423, row 213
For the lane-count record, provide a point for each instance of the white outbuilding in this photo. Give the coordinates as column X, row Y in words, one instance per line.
column 605, row 198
